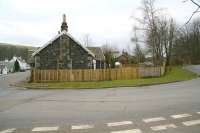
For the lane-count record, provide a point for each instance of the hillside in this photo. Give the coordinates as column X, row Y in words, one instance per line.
column 7, row 51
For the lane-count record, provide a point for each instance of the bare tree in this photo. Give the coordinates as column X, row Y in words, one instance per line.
column 159, row 31
column 140, row 57
column 197, row 3
column 150, row 21
column 138, row 52
column 171, row 38
column 187, row 46
column 87, row 41
column 108, row 53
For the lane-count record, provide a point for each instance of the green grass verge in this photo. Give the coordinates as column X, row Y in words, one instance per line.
column 174, row 75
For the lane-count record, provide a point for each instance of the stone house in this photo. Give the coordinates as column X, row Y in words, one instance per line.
column 99, row 56
column 124, row 58
column 65, row 52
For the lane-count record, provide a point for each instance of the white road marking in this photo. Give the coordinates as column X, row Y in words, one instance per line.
column 163, row 127
column 8, row 130
column 180, row 116
column 128, row 131
column 43, row 129
column 154, row 119
column 82, row 127
column 119, row 123
column 191, row 123
column 198, row 112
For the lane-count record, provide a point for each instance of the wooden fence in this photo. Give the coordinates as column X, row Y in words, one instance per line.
column 151, row 71
column 95, row 75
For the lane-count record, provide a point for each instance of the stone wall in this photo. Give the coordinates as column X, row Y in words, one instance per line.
column 48, row 57
column 80, row 58
column 63, row 53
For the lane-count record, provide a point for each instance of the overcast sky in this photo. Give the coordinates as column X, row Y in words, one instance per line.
column 34, row 22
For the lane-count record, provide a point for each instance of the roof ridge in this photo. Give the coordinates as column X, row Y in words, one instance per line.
column 56, row 37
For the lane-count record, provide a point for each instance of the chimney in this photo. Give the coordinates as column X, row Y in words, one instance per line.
column 64, row 24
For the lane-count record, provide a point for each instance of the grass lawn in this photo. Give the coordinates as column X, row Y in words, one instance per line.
column 175, row 74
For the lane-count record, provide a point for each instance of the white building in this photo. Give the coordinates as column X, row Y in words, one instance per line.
column 9, row 66
column 3, row 69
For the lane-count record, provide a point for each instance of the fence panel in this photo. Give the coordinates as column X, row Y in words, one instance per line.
column 96, row 75
column 149, row 72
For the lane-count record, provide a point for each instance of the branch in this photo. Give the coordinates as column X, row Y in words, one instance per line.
column 195, row 3
column 197, row 10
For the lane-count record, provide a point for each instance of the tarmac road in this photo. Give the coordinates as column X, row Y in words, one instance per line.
column 166, row 108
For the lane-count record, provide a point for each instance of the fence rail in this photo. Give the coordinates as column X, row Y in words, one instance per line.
column 95, row 75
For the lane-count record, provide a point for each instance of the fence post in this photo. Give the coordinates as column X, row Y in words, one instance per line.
column 161, row 72
column 32, row 75
column 110, row 73
column 137, row 72
column 39, row 75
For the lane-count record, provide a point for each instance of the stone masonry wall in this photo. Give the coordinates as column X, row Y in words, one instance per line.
column 64, row 53
column 48, row 57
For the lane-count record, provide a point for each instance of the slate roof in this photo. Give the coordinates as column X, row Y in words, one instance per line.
column 56, row 37
column 98, row 52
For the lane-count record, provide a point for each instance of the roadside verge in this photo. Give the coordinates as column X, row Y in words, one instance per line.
column 176, row 74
